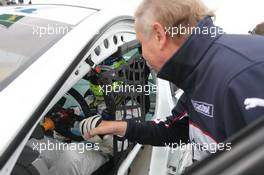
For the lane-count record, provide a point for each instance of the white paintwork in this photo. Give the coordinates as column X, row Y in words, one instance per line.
column 73, row 16
column 159, row 157
column 164, row 105
column 123, row 169
column 21, row 98
column 128, row 5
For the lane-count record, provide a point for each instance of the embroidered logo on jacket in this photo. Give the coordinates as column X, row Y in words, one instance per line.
column 253, row 103
column 203, row 108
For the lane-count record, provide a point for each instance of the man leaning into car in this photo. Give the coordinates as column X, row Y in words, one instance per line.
column 221, row 75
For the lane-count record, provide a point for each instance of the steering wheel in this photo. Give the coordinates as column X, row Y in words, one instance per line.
column 64, row 118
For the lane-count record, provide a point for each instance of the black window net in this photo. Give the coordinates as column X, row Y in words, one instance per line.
column 125, row 98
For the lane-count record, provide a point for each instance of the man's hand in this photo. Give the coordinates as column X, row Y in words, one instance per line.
column 94, row 126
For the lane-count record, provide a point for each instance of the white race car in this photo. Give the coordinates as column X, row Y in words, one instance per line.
column 48, row 54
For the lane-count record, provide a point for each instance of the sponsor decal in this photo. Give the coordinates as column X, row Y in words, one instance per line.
column 25, row 10
column 8, row 20
column 203, row 108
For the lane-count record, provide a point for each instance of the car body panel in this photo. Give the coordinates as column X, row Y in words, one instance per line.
column 64, row 14
column 46, row 77
column 17, row 106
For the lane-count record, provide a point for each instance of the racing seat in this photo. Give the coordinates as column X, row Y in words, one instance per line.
column 24, row 164
column 29, row 162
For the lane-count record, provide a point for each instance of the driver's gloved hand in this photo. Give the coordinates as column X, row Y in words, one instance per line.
column 105, row 141
column 89, row 123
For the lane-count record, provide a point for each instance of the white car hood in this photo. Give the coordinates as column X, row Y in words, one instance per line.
column 64, row 14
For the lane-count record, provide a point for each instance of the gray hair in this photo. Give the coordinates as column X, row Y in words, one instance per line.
column 170, row 13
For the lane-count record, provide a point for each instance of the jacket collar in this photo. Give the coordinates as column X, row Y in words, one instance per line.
column 185, row 60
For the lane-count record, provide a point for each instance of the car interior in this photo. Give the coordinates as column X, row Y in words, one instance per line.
column 91, row 96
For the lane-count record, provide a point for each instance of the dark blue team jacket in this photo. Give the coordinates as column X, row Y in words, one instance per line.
column 223, row 81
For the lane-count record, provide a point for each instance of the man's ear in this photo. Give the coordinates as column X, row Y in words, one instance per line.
column 159, row 35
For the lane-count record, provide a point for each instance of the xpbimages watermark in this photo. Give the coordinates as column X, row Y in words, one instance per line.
column 50, row 30
column 61, row 146
column 146, row 89
column 213, row 31
column 207, row 147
